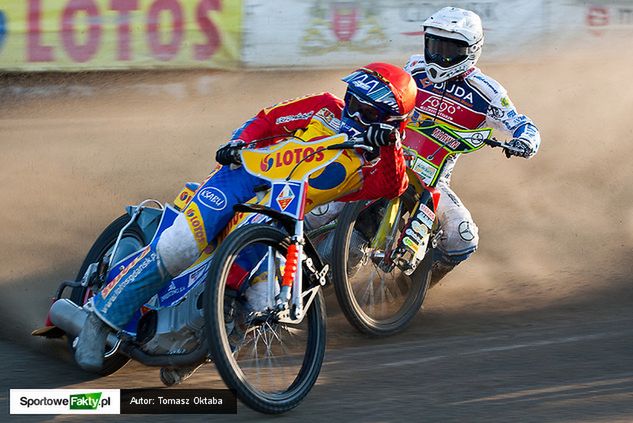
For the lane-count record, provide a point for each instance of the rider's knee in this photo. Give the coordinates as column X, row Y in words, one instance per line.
column 324, row 214
column 459, row 241
column 177, row 246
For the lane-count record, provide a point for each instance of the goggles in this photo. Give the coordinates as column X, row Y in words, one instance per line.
column 366, row 112
column 444, row 52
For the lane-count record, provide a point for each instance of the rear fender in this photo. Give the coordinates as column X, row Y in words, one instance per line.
column 148, row 219
column 421, row 187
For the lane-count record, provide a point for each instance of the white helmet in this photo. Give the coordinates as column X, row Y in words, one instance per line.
column 453, row 39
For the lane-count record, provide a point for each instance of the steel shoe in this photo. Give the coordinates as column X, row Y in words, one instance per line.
column 91, row 343
column 439, row 270
column 171, row 377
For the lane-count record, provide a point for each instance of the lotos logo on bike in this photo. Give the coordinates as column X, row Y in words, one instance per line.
column 289, row 157
column 267, row 163
column 196, row 225
column 237, row 217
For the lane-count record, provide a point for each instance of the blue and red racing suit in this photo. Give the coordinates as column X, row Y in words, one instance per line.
column 317, row 116
column 469, row 101
column 307, row 118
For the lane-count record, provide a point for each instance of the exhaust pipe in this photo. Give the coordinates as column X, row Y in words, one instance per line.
column 69, row 317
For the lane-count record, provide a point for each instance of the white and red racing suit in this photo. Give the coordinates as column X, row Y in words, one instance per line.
column 469, row 101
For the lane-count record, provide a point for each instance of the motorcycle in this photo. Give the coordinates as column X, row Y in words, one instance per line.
column 271, row 355
column 383, row 250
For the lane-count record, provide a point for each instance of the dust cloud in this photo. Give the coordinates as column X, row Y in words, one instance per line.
column 555, row 230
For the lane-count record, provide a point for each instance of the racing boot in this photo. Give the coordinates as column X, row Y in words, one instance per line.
column 176, row 376
column 136, row 283
column 91, row 343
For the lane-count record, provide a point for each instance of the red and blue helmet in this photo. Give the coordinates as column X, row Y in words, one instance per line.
column 377, row 93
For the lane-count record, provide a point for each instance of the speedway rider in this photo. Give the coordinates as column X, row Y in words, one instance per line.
column 378, row 104
column 451, row 90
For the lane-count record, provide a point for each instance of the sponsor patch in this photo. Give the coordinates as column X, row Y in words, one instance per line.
column 485, row 82
column 173, row 291
column 194, row 218
column 465, row 232
column 409, row 243
column 326, row 115
column 425, row 170
column 285, row 197
column 213, row 198
column 328, row 119
column 105, row 291
column 413, row 236
column 446, row 138
column 426, row 215
column 290, row 157
column 118, row 289
column 496, row 113
column 419, row 228
column 197, row 274
column 290, row 118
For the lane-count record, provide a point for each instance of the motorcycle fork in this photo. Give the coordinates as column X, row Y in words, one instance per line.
column 292, row 282
column 388, row 227
column 417, row 242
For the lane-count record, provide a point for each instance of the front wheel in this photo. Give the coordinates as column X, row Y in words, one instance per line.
column 272, row 365
column 375, row 299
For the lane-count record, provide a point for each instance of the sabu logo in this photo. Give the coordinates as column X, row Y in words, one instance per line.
column 290, row 157
column 212, row 198
column 88, row 401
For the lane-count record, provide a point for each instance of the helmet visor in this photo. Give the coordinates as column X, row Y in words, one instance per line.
column 365, row 112
column 444, row 52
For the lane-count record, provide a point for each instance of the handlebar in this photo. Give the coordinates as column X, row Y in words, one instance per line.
column 349, row 145
column 494, row 144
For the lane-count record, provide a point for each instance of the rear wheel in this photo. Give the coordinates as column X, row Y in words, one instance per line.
column 270, row 363
column 132, row 240
column 376, row 299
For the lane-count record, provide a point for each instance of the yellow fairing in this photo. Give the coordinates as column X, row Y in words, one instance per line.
column 315, row 129
column 276, row 164
column 330, row 173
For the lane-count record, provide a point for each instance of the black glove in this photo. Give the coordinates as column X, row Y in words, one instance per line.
column 230, row 153
column 523, row 149
column 381, row 134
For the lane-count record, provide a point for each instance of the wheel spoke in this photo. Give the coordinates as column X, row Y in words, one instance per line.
column 275, row 363
column 375, row 297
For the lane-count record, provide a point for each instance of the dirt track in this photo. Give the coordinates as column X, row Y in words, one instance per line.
column 537, row 326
